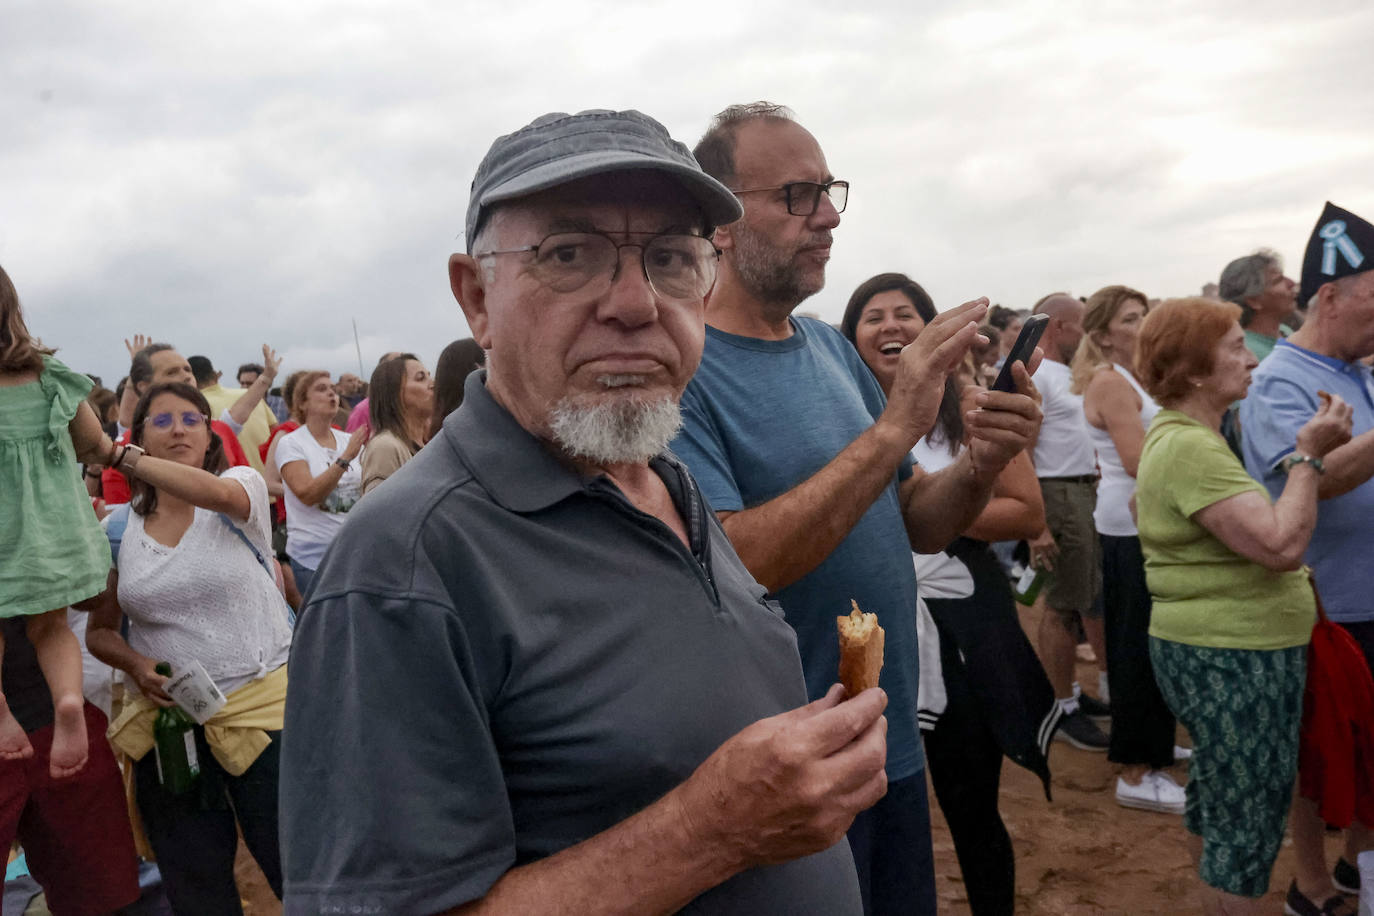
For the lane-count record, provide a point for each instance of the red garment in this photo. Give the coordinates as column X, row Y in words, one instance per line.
column 1336, row 746
column 114, row 486
column 282, row 428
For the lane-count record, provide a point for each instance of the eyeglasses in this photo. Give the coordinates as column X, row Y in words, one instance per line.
column 803, row 197
column 190, row 419
column 676, row 266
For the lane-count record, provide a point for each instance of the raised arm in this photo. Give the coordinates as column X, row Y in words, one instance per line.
column 198, row 487
column 1016, row 510
column 1276, row 536
column 784, row 787
column 313, row 489
column 243, row 408
column 785, row 538
column 939, row 507
column 88, row 437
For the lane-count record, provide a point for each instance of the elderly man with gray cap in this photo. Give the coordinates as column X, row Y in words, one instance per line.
column 553, row 685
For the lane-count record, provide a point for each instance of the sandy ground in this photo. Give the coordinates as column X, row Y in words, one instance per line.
column 1084, row 854
column 1080, row 855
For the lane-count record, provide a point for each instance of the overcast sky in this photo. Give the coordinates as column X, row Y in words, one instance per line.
column 220, row 175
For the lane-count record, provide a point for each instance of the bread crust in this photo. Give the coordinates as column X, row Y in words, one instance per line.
column 861, row 650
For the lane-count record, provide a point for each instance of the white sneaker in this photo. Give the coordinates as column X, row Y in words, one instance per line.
column 1156, row 792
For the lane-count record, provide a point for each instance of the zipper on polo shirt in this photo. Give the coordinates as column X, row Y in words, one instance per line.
column 611, row 494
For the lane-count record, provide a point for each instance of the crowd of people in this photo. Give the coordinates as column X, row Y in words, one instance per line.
column 557, row 622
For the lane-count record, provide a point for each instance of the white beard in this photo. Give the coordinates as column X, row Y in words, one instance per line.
column 623, row 430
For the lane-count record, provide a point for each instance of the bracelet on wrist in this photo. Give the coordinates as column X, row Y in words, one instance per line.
column 1296, row 458
column 342, row 463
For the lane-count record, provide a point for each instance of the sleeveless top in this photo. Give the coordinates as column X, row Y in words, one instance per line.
column 1113, row 514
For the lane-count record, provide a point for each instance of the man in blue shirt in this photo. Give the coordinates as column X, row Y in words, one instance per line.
column 808, row 467
column 1324, row 356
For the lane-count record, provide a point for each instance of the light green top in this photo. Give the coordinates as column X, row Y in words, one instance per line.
column 1204, row 593
column 52, row 551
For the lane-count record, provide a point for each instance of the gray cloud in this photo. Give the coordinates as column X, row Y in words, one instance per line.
column 221, row 176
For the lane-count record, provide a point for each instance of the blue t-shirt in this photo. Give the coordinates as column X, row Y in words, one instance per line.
column 1283, row 398
column 761, row 417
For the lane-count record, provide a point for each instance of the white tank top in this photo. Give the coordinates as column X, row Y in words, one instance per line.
column 1113, row 514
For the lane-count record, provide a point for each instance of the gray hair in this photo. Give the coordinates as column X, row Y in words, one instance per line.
column 715, row 151
column 1244, row 279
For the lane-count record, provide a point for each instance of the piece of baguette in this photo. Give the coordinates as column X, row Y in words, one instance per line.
column 861, row 650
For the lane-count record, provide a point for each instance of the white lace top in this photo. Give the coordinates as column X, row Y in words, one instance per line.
column 207, row 598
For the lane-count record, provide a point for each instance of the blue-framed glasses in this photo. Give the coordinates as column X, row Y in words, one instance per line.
column 190, row 419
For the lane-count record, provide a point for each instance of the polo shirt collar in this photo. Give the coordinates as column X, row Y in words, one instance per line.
column 1330, row 362
column 510, row 462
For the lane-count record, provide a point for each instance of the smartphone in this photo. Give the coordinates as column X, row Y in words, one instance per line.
column 1021, row 351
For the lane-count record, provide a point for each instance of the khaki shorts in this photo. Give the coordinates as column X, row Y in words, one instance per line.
column 1077, row 582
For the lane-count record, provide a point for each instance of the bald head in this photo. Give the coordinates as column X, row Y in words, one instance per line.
column 1065, row 328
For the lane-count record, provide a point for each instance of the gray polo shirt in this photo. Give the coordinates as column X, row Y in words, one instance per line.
column 500, row 659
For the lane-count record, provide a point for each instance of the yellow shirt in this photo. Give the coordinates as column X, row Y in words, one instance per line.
column 255, row 432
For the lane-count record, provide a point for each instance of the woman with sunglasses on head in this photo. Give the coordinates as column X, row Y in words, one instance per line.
column 320, row 472
column 997, row 700
column 191, row 579
column 400, row 403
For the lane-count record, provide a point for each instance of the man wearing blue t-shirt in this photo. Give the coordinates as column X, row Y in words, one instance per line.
column 1326, row 355
column 808, row 466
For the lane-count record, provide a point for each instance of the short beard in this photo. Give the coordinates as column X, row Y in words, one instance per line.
column 769, row 276
column 623, row 430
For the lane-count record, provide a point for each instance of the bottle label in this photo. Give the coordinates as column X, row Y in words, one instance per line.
column 192, row 761
column 1026, row 579
column 195, row 691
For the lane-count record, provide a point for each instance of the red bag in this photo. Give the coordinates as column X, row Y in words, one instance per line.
column 1336, row 743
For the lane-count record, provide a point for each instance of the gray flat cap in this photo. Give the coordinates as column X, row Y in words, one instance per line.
column 557, row 148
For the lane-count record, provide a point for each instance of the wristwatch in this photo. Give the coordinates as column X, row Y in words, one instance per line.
column 343, row 463
column 128, row 459
column 1296, row 459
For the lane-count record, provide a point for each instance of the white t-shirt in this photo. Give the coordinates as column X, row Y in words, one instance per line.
column 311, row 529
column 1064, row 449
column 938, row 575
column 207, row 599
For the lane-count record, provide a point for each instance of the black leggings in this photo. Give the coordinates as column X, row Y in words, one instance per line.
column 965, row 764
column 195, row 843
column 1142, row 725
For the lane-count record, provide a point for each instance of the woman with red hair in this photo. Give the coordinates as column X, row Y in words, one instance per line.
column 1232, row 611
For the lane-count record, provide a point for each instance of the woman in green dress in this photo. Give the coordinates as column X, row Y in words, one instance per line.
column 1232, row 612
column 53, row 551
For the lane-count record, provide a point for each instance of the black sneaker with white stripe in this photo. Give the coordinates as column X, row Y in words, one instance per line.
column 1080, row 731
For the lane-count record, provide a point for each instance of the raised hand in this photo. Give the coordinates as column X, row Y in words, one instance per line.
column 1328, row 429
column 1004, row 423
column 140, row 341
column 270, row 364
column 926, row 362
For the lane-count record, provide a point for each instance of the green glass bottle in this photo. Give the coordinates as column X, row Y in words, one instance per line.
column 174, row 742
column 1028, row 587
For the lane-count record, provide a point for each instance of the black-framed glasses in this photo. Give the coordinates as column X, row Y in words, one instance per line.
column 676, row 266
column 190, row 419
column 803, row 197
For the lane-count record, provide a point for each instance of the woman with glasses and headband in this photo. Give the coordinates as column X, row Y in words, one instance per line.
column 997, row 700
column 320, row 472
column 191, row 580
